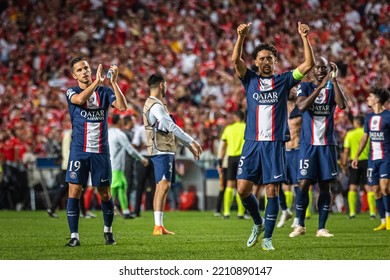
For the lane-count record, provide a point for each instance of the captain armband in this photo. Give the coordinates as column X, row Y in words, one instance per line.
column 297, row 75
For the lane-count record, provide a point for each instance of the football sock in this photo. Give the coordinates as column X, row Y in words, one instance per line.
column 296, row 191
column 352, row 198
column 386, row 203
column 73, row 213
column 301, row 205
column 158, row 215
column 240, row 207
column 371, row 202
column 108, row 212
column 271, row 214
column 282, row 199
column 228, row 200
column 323, row 207
column 309, row 205
column 252, row 206
column 289, row 198
column 380, row 207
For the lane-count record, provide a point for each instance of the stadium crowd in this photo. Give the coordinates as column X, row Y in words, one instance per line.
column 189, row 42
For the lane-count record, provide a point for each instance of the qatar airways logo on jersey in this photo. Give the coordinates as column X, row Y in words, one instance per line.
column 266, row 97
column 322, row 110
column 377, row 136
column 98, row 115
column 319, row 108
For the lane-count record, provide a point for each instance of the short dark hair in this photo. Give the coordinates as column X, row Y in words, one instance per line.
column 382, row 94
column 265, row 46
column 155, row 79
column 359, row 119
column 127, row 119
column 115, row 118
column 240, row 114
column 75, row 60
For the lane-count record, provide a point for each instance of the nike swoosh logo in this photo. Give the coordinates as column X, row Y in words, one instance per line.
column 383, row 175
column 105, row 180
column 277, row 176
column 334, row 174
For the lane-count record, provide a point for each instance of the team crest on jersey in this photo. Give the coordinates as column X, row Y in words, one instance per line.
column 303, row 172
column 73, row 175
column 266, row 84
column 375, row 123
column 93, row 102
column 321, row 98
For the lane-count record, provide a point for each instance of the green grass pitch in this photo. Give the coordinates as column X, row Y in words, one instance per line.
column 31, row 235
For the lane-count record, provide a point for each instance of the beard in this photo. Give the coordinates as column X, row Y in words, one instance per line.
column 267, row 70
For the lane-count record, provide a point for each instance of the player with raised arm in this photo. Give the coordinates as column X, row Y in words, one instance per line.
column 88, row 104
column 318, row 146
column 263, row 154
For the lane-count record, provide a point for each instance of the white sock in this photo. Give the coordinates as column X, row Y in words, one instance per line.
column 107, row 229
column 126, row 211
column 158, row 218
column 74, row 235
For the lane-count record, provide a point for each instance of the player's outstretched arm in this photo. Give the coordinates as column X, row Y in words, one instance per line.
column 340, row 98
column 238, row 62
column 304, row 102
column 80, row 99
column 120, row 103
column 195, row 149
column 309, row 62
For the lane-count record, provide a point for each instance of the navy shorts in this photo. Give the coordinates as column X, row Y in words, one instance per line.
column 164, row 167
column 317, row 163
column 81, row 164
column 377, row 169
column 263, row 161
column 292, row 159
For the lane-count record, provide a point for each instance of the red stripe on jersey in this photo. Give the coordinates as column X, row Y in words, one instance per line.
column 326, row 126
column 383, row 150
column 273, row 83
column 312, row 131
column 85, row 135
column 100, row 137
column 273, row 120
column 257, row 123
